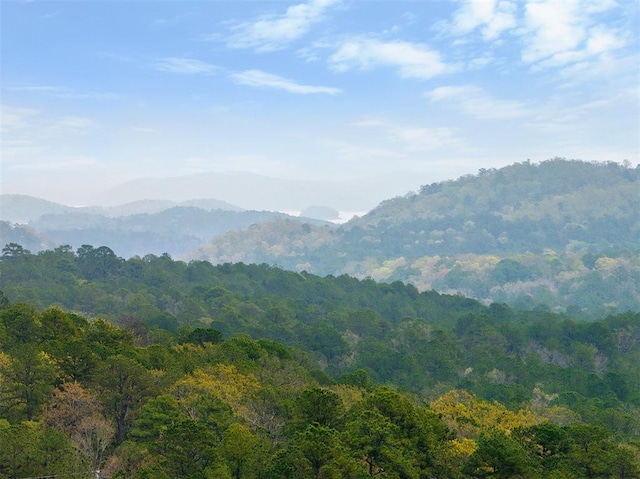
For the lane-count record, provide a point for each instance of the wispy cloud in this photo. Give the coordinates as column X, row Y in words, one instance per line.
column 19, row 120
column 548, row 33
column 350, row 152
column 258, row 78
column 186, row 66
column 15, row 117
column 32, row 140
column 67, row 163
column 475, row 102
column 413, row 60
column 562, row 32
column 274, row 32
column 492, row 17
column 415, row 138
column 69, row 125
column 63, row 92
column 143, row 129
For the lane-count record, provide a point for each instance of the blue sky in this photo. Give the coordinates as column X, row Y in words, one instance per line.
column 94, row 93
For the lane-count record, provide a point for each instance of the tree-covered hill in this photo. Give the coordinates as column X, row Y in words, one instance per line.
column 528, row 234
column 249, row 371
column 25, row 236
column 424, row 342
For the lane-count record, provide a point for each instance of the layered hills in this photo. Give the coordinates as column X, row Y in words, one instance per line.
column 561, row 233
column 155, row 367
column 137, row 228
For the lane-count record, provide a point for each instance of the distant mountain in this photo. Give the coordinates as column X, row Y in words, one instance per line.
column 24, row 236
column 175, row 231
column 527, row 233
column 22, row 208
column 257, row 192
column 137, row 228
column 134, row 229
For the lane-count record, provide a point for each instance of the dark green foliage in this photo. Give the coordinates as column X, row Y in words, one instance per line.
column 201, row 336
column 27, row 449
column 188, row 448
column 166, row 411
column 124, row 384
column 499, row 456
column 321, row 406
column 582, row 375
column 348, row 326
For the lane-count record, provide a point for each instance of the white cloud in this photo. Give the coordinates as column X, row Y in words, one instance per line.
column 603, row 40
column 273, row 32
column 30, row 137
column 27, row 123
column 15, row 117
column 63, row 92
column 258, row 78
column 494, row 16
column 71, row 124
column 548, row 33
column 356, row 153
column 474, row 101
column 143, row 129
column 427, row 138
column 414, row 138
column 561, row 32
column 187, row 66
column 413, row 60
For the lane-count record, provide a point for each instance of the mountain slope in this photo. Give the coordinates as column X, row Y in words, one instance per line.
column 453, row 236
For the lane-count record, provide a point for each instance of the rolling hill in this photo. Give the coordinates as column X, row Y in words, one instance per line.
column 528, row 234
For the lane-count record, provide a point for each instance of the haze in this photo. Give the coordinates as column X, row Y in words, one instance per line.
column 95, row 94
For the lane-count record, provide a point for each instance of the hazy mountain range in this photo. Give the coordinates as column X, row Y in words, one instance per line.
column 561, row 233
column 137, row 228
column 257, row 192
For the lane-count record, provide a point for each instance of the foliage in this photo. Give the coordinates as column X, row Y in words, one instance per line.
column 518, row 235
column 240, row 408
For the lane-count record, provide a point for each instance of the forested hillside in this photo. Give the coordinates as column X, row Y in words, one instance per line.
column 563, row 234
column 249, row 371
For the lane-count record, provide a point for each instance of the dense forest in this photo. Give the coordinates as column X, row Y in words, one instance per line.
column 527, row 234
column 150, row 367
column 561, row 234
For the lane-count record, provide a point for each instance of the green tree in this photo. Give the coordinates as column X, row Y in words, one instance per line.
column 317, row 452
column 156, row 416
column 28, row 377
column 374, row 440
column 499, row 456
column 319, row 405
column 188, row 449
column 239, row 447
column 30, row 449
column 124, row 385
column 592, row 450
column 21, row 322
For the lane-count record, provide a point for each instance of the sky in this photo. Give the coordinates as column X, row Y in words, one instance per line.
column 96, row 93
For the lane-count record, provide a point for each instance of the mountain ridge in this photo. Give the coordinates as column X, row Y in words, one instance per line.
column 454, row 236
